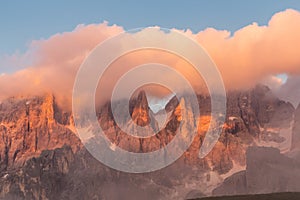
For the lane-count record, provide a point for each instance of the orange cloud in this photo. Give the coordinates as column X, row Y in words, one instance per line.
column 251, row 55
column 255, row 52
column 57, row 60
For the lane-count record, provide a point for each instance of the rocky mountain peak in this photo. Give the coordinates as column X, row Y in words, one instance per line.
column 48, row 108
column 27, row 127
column 142, row 99
column 140, row 112
column 172, row 104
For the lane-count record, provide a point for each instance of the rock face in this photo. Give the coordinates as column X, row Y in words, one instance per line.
column 267, row 171
column 27, row 127
column 140, row 111
column 41, row 157
column 233, row 185
column 41, row 177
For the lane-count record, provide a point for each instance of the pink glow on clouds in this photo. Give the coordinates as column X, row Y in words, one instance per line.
column 249, row 56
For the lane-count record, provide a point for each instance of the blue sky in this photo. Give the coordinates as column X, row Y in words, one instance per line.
column 24, row 21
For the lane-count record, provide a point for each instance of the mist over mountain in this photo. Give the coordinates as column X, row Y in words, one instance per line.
column 42, row 158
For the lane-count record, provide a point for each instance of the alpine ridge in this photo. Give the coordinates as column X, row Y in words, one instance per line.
column 42, row 158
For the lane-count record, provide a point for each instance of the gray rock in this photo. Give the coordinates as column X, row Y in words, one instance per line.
column 267, row 171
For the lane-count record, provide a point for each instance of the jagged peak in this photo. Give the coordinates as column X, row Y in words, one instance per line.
column 140, row 111
column 172, row 104
column 49, row 97
column 48, row 107
column 142, row 100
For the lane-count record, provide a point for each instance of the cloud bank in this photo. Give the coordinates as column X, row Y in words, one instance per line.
column 246, row 57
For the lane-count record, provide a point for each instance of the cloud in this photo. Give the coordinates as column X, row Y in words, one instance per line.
column 255, row 52
column 16, row 61
column 57, row 60
column 290, row 91
column 246, row 57
column 273, row 82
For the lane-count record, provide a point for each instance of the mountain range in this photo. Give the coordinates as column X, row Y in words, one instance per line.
column 41, row 156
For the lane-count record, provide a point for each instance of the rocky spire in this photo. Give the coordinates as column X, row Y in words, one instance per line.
column 48, row 108
column 140, row 112
column 172, row 104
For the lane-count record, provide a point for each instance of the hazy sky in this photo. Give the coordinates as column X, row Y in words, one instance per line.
column 24, row 21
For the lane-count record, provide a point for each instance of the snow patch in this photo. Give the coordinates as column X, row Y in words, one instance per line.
column 286, row 133
column 232, row 118
column 5, row 176
column 71, row 127
column 86, row 134
column 236, row 168
column 113, row 146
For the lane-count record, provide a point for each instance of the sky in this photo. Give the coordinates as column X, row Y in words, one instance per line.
column 24, row 21
column 43, row 44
